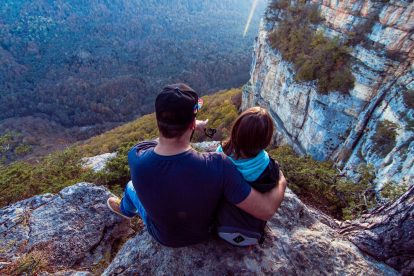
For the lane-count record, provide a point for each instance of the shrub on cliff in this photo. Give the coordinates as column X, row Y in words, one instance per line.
column 279, row 4
column 12, row 144
column 391, row 191
column 314, row 56
column 319, row 184
column 409, row 98
column 360, row 31
column 385, row 137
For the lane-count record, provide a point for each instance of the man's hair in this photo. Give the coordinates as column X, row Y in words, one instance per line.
column 175, row 110
column 251, row 132
column 169, row 132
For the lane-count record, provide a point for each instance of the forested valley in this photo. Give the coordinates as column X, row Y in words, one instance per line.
column 72, row 69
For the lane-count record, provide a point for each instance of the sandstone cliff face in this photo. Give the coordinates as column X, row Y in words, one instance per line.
column 342, row 127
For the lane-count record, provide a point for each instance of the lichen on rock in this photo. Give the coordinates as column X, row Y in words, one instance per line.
column 73, row 229
column 74, row 233
column 297, row 242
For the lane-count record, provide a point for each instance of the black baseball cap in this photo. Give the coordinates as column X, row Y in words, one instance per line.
column 177, row 106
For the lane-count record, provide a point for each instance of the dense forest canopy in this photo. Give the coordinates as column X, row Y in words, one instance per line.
column 90, row 63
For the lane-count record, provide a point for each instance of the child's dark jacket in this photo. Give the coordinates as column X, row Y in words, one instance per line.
column 231, row 217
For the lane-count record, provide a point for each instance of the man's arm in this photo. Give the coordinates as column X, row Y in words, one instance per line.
column 263, row 206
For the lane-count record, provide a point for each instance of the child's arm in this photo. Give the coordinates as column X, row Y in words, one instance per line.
column 268, row 179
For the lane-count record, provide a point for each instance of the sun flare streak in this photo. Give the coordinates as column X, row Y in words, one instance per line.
column 249, row 20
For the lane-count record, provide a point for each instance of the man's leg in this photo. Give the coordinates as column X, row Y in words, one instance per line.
column 130, row 205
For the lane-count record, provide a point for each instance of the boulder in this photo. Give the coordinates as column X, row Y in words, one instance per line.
column 74, row 233
column 73, row 229
column 98, row 163
column 298, row 242
column 387, row 233
column 207, row 146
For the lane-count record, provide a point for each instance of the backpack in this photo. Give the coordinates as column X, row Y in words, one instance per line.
column 238, row 227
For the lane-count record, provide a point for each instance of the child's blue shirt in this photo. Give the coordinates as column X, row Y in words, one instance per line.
column 250, row 168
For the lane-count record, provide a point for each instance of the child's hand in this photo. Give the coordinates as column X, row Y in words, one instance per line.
column 201, row 125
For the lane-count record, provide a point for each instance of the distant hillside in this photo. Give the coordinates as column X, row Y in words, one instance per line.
column 87, row 65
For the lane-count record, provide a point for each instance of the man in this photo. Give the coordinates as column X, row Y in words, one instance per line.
column 177, row 190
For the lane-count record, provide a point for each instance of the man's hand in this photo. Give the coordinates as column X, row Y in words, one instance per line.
column 201, row 125
column 264, row 206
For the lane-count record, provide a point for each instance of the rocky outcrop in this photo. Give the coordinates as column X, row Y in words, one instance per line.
column 74, row 233
column 98, row 163
column 340, row 127
column 73, row 229
column 209, row 146
column 387, row 233
column 297, row 242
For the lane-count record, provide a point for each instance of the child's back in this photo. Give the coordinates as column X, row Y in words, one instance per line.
column 251, row 133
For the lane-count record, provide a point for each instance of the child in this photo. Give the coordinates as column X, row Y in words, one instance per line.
column 251, row 133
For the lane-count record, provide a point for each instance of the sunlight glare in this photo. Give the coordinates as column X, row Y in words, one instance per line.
column 249, row 20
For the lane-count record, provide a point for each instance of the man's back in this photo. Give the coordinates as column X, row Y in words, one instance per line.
column 181, row 193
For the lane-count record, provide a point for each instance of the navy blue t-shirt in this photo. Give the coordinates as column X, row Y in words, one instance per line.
column 181, row 193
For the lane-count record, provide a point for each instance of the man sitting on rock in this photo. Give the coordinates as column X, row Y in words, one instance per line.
column 175, row 189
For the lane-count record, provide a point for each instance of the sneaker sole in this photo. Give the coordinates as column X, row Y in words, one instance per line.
column 118, row 213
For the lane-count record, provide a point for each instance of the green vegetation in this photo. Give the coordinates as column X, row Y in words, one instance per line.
column 316, row 183
column 30, row 264
column 142, row 129
column 391, row 191
column 279, row 4
column 357, row 198
column 22, row 149
column 396, row 55
column 221, row 110
column 12, row 146
column 319, row 184
column 385, row 137
column 409, row 98
column 314, row 56
column 21, row 180
column 359, row 32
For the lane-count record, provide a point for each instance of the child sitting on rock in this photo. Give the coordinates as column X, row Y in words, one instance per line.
column 251, row 133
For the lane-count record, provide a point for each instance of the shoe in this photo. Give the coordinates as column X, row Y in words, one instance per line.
column 113, row 204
